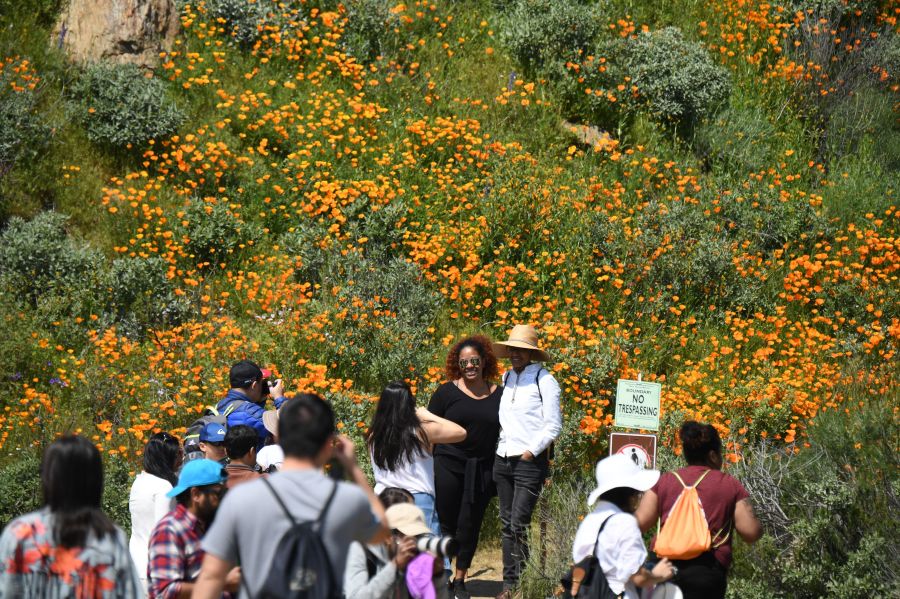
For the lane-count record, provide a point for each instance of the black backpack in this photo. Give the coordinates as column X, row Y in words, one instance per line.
column 301, row 568
column 192, row 436
column 593, row 581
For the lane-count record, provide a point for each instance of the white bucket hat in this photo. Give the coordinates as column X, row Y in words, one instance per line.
column 621, row 471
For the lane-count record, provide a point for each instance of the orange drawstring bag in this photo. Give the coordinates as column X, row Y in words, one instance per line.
column 685, row 534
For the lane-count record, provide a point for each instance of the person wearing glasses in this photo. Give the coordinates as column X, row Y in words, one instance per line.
column 462, row 470
column 175, row 553
column 401, row 439
column 530, row 421
column 147, row 501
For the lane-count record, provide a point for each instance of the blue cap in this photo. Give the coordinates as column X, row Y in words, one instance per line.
column 199, row 473
column 212, row 433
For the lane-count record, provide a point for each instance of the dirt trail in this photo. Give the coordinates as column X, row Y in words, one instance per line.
column 486, row 574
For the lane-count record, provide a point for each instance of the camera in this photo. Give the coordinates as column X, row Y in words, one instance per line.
column 439, row 546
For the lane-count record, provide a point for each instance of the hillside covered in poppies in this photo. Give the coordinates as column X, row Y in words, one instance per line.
column 700, row 192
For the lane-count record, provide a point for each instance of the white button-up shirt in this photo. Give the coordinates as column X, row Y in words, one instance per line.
column 619, row 548
column 528, row 422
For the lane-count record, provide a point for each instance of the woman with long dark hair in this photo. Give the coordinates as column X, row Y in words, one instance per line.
column 147, row 501
column 462, row 471
column 68, row 548
column 401, row 439
column 726, row 506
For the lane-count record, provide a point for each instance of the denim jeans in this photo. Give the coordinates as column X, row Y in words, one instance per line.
column 519, row 486
column 425, row 502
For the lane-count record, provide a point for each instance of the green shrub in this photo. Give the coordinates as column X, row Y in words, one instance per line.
column 117, row 479
column 740, row 140
column 120, row 106
column 372, row 30
column 676, row 79
column 828, row 511
column 242, row 19
column 141, row 296
column 212, row 234
column 541, row 33
column 20, row 485
column 22, row 132
column 38, row 258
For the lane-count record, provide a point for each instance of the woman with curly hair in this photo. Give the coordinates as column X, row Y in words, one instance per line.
column 462, row 471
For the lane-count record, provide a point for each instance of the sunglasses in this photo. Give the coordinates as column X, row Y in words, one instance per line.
column 465, row 362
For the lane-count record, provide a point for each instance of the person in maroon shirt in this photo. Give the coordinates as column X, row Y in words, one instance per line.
column 240, row 447
column 726, row 505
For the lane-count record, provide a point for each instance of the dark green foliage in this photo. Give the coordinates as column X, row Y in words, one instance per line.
column 829, row 512
column 243, row 20
column 739, row 140
column 38, row 256
column 541, row 34
column 212, row 234
column 676, row 79
column 371, row 30
column 20, row 485
column 120, row 106
column 141, row 295
column 23, row 134
column 117, row 480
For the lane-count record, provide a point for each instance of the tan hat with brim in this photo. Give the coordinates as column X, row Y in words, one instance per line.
column 407, row 518
column 270, row 421
column 524, row 336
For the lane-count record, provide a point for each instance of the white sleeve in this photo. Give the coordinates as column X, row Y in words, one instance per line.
column 585, row 539
column 625, row 551
column 162, row 505
column 549, row 390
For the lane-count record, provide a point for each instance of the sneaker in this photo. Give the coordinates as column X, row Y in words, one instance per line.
column 459, row 590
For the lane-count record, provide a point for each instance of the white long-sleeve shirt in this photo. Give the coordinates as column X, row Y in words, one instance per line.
column 147, row 503
column 529, row 420
column 619, row 548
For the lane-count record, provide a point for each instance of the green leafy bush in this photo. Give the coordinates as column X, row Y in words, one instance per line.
column 38, row 257
column 541, row 33
column 20, row 485
column 242, row 19
column 121, row 106
column 372, row 30
column 676, row 79
column 142, row 296
column 212, row 233
column 829, row 511
column 22, row 132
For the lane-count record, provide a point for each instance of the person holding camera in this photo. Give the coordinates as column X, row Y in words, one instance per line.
column 406, row 565
column 246, row 400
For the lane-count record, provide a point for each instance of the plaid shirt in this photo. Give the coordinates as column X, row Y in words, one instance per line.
column 175, row 553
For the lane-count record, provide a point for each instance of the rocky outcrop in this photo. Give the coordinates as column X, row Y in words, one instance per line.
column 125, row 31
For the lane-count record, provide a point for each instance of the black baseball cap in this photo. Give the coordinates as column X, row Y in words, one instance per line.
column 245, row 373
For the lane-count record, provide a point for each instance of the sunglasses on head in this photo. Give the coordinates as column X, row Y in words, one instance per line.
column 465, row 362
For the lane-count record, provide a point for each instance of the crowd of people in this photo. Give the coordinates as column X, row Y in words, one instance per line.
column 273, row 503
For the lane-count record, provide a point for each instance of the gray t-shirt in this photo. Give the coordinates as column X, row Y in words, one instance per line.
column 250, row 520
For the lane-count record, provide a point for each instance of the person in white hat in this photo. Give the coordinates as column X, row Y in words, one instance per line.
column 611, row 532
column 530, row 421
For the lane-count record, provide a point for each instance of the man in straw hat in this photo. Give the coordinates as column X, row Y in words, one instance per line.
column 529, row 423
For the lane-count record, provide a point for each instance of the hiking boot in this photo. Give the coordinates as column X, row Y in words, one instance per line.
column 458, row 590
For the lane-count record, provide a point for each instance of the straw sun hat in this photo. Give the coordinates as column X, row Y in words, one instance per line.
column 525, row 337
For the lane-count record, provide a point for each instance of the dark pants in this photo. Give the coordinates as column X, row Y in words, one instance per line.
column 701, row 578
column 460, row 516
column 519, row 485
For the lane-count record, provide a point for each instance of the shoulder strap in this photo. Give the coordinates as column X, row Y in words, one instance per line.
column 607, row 519
column 321, row 519
column 372, row 561
column 537, row 383
column 233, row 406
column 702, row 476
column 280, row 502
column 505, row 377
